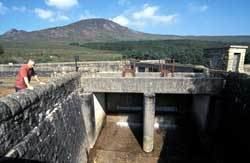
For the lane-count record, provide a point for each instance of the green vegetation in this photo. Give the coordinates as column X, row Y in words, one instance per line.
column 19, row 52
column 183, row 51
column 1, row 50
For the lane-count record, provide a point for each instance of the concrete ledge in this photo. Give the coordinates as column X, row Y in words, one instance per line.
column 154, row 85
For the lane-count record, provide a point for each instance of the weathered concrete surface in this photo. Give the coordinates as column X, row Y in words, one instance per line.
column 155, row 85
column 100, row 115
column 118, row 144
column 88, row 113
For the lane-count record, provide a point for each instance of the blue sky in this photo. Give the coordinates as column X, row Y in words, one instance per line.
column 180, row 17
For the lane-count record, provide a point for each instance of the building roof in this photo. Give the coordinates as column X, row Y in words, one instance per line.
column 228, row 47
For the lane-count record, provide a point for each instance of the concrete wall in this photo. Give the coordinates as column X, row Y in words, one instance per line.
column 133, row 102
column 155, row 67
column 47, row 68
column 45, row 124
column 144, row 74
column 100, row 114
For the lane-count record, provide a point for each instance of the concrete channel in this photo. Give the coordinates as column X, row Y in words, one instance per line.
column 121, row 142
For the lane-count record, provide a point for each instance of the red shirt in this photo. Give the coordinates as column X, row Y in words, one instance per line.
column 24, row 71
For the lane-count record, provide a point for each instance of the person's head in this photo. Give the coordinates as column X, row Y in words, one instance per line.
column 31, row 63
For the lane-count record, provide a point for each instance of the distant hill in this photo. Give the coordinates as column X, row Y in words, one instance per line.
column 90, row 30
column 102, row 30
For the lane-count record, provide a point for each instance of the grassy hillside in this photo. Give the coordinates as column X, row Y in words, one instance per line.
column 19, row 52
column 184, row 51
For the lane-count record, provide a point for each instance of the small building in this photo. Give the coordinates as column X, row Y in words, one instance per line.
column 229, row 58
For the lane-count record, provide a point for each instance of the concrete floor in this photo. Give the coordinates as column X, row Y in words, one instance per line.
column 118, row 144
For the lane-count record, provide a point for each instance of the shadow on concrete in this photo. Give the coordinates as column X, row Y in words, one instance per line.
column 18, row 160
column 136, row 126
column 181, row 143
column 231, row 141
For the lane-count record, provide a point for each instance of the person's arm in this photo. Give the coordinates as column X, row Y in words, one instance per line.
column 38, row 80
column 27, row 83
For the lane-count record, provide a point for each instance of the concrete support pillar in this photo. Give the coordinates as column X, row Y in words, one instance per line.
column 146, row 69
column 201, row 109
column 148, row 122
column 136, row 69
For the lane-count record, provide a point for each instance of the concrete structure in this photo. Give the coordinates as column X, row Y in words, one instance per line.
column 229, row 58
column 188, row 85
column 200, row 86
column 72, row 108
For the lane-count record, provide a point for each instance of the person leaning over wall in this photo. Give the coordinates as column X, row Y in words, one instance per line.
column 24, row 75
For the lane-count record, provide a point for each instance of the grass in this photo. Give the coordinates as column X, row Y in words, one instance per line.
column 19, row 52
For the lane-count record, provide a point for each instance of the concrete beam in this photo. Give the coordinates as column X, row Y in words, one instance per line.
column 156, row 85
column 148, row 122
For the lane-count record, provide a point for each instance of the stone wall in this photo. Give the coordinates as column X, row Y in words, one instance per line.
column 44, row 124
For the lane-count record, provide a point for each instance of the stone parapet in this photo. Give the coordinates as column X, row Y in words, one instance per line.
column 44, row 124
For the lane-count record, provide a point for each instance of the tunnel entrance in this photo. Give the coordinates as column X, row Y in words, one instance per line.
column 175, row 136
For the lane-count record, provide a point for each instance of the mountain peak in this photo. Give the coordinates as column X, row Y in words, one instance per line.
column 14, row 31
column 99, row 24
column 88, row 30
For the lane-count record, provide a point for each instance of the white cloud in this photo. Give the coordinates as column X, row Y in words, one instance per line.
column 62, row 4
column 148, row 15
column 19, row 9
column 87, row 15
column 197, row 8
column 3, row 9
column 44, row 14
column 147, row 12
column 50, row 15
column 122, row 20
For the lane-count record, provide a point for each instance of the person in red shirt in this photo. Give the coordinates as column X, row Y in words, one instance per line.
column 24, row 76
